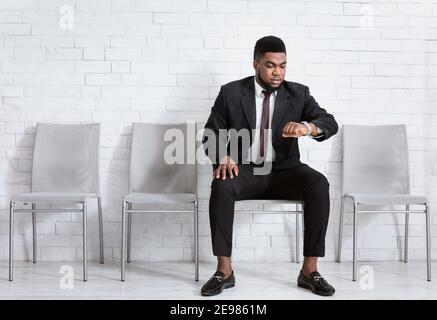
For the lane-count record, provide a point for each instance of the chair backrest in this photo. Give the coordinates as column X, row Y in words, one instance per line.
column 66, row 158
column 375, row 159
column 149, row 171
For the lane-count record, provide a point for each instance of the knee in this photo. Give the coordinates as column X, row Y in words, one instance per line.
column 323, row 181
column 222, row 186
column 319, row 182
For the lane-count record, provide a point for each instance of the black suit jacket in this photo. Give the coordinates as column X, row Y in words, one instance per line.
column 234, row 108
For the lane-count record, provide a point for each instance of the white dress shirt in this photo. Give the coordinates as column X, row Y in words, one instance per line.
column 254, row 151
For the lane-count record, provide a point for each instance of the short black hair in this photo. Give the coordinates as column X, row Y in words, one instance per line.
column 268, row 44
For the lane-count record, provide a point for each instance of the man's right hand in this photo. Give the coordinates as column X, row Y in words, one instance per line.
column 227, row 165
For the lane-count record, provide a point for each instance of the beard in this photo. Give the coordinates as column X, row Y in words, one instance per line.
column 265, row 85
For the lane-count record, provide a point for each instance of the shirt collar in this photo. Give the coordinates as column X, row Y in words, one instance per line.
column 259, row 90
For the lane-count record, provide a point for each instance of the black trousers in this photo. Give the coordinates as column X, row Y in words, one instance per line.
column 298, row 183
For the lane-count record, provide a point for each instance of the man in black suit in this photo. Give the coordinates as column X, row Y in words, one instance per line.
column 262, row 118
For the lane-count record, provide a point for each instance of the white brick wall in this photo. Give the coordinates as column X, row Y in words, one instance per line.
column 367, row 62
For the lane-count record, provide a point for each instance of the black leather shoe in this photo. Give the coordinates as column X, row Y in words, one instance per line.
column 316, row 284
column 217, row 284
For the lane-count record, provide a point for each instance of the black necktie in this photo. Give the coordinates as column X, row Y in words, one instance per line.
column 264, row 121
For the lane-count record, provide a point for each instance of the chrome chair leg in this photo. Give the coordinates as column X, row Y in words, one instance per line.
column 102, row 248
column 196, row 240
column 303, row 219
column 428, row 243
column 406, row 234
column 355, row 262
column 129, row 233
column 123, row 240
column 11, row 240
column 298, row 236
column 340, row 230
column 34, row 234
column 85, row 268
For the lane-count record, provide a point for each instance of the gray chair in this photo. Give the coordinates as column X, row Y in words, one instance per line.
column 65, row 170
column 153, row 181
column 268, row 202
column 376, row 172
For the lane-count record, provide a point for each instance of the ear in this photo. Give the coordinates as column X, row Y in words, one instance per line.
column 255, row 64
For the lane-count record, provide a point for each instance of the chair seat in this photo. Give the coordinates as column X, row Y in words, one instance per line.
column 387, row 199
column 259, row 205
column 160, row 198
column 52, row 197
column 267, row 201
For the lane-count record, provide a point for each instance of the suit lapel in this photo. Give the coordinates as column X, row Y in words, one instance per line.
column 281, row 106
column 248, row 103
column 282, row 103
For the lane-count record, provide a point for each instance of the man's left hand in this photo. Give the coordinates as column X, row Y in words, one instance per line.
column 294, row 130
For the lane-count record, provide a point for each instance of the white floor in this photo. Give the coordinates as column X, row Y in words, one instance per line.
column 175, row 280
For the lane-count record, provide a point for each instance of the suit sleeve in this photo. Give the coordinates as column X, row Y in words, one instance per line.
column 215, row 136
column 313, row 113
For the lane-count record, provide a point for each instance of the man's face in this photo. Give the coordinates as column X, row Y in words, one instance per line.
column 271, row 68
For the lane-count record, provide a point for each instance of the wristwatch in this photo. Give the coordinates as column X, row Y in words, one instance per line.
column 310, row 129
